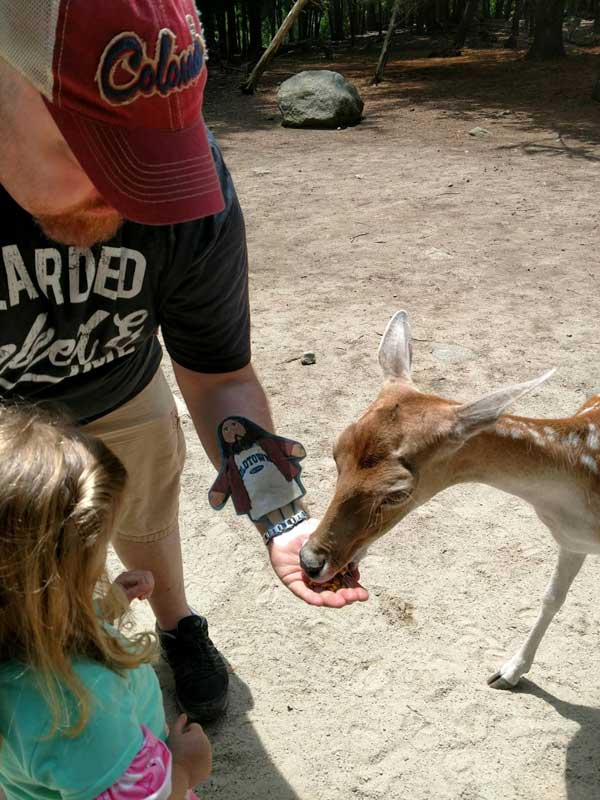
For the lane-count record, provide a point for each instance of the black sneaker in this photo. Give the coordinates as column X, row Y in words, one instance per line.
column 201, row 677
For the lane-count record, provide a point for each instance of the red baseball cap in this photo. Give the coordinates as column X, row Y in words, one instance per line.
column 124, row 81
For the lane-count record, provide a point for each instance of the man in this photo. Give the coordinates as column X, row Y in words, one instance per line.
column 118, row 216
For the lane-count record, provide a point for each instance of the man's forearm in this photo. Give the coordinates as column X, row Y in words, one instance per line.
column 211, row 398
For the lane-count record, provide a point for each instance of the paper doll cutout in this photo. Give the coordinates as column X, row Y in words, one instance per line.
column 260, row 471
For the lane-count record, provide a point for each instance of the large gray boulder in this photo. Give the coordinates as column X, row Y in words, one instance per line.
column 319, row 99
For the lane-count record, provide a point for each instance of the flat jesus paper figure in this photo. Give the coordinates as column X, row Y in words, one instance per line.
column 260, row 471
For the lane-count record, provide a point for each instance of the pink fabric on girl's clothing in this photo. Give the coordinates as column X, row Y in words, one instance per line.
column 148, row 777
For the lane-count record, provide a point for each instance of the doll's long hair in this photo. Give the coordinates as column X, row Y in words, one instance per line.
column 253, row 433
column 60, row 493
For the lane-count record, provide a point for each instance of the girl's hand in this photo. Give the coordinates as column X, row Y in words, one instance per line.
column 137, row 584
column 191, row 750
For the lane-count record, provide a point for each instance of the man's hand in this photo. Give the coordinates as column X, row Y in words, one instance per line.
column 284, row 554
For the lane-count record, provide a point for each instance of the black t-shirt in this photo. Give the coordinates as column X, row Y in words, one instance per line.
column 78, row 326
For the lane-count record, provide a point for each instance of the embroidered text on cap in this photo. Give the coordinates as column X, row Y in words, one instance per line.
column 167, row 72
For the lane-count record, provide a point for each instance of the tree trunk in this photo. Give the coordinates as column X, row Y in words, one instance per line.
column 420, row 20
column 371, row 23
column 442, row 13
column 222, row 29
column 432, row 19
column 243, row 37
column 458, row 10
column 386, row 44
column 516, row 19
column 530, row 16
column 465, row 24
column 548, row 39
column 513, row 39
column 207, row 18
column 352, row 21
column 303, row 21
column 596, row 89
column 337, row 30
column 272, row 21
column 318, row 19
column 255, row 24
column 596, row 16
column 249, row 85
column 232, row 44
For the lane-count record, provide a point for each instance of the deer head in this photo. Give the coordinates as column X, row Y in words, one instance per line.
column 396, row 456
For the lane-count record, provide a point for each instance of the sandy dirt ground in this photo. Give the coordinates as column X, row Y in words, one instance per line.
column 491, row 244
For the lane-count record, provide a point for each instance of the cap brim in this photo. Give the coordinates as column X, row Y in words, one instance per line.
column 157, row 177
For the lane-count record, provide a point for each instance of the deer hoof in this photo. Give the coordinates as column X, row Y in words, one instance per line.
column 498, row 681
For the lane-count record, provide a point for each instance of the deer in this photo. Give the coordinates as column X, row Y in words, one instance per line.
column 408, row 446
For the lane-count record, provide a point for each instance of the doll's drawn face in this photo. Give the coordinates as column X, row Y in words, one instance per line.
column 232, row 430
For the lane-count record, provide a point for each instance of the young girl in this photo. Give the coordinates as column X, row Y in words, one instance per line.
column 81, row 713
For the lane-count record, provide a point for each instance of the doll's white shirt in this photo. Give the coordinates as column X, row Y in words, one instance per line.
column 267, row 488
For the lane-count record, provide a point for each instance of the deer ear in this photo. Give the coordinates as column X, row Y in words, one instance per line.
column 472, row 418
column 395, row 350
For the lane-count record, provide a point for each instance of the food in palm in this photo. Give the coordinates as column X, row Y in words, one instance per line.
column 344, row 578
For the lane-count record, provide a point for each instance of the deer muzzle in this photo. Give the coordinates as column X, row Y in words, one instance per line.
column 314, row 563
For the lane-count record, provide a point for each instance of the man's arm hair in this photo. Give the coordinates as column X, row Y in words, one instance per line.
column 212, row 397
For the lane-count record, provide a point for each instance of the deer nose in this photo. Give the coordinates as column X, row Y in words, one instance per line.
column 310, row 562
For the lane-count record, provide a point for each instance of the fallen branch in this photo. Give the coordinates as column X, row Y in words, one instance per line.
column 249, row 85
column 386, row 44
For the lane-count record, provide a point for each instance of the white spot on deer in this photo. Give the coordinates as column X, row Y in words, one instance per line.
column 572, row 440
column 520, row 430
column 592, row 440
column 589, row 462
column 509, row 428
column 550, row 433
column 516, row 433
column 536, row 435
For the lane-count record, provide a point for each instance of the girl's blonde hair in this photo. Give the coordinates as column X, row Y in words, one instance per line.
column 60, row 493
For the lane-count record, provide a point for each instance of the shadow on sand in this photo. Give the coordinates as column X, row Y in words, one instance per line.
column 242, row 768
column 582, row 759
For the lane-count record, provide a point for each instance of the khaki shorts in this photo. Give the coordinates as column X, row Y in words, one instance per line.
column 146, row 435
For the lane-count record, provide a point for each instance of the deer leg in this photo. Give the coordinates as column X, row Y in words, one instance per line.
column 569, row 564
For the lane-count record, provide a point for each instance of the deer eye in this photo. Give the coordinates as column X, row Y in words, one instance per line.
column 397, row 493
column 395, row 497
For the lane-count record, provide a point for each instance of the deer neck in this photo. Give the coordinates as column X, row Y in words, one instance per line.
column 543, row 461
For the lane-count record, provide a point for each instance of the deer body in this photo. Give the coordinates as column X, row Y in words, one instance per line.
column 547, row 463
column 408, row 446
